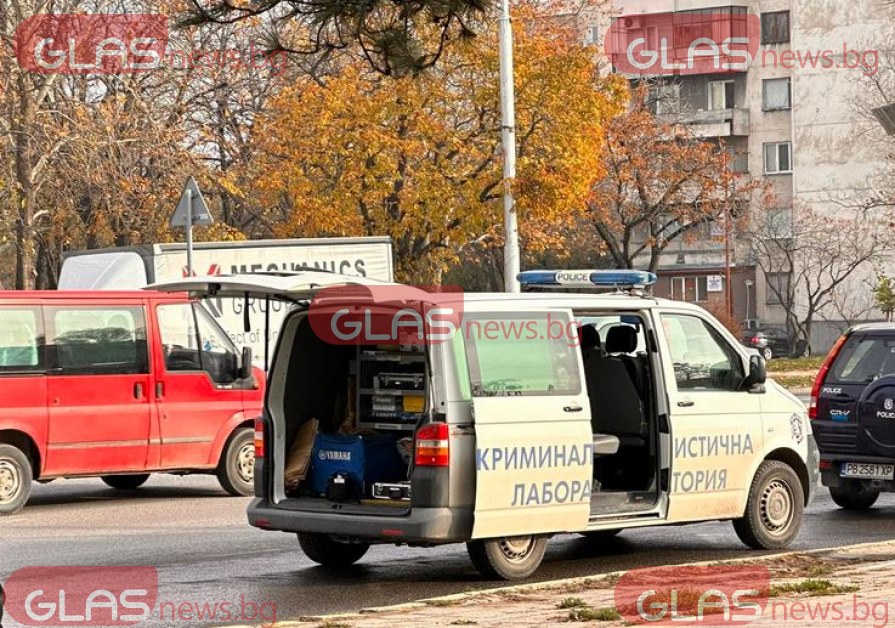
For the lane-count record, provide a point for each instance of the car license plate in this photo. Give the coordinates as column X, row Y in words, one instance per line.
column 869, row 471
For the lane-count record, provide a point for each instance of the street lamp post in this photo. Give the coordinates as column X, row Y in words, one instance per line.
column 508, row 141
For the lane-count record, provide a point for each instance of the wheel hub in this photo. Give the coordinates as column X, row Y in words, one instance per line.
column 245, row 463
column 10, row 482
column 516, row 548
column 776, row 506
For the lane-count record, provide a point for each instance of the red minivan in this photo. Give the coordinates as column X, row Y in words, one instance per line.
column 120, row 385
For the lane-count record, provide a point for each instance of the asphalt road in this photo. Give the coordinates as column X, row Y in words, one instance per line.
column 197, row 537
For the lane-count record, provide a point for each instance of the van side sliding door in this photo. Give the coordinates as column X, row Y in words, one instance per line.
column 534, row 447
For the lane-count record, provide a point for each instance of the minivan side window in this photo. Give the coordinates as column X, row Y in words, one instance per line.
column 193, row 342
column 521, row 355
column 20, row 339
column 702, row 359
column 98, row 341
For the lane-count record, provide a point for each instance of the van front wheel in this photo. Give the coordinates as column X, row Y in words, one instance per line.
column 15, row 479
column 236, row 469
column 509, row 558
column 323, row 549
column 775, row 508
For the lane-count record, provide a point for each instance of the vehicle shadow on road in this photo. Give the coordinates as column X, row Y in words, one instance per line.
column 104, row 494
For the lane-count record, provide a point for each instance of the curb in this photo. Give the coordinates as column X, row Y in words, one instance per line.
column 303, row 621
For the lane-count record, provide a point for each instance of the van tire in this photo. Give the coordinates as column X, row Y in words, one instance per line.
column 324, row 550
column 501, row 559
column 775, row 508
column 854, row 496
column 125, row 482
column 236, row 469
column 15, row 479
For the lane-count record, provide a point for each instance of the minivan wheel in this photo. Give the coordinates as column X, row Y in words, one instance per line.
column 508, row 558
column 323, row 549
column 15, row 479
column 236, row 470
column 125, row 482
column 775, row 508
column 854, row 496
column 767, row 353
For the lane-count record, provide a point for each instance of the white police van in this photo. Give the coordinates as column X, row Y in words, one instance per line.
column 545, row 413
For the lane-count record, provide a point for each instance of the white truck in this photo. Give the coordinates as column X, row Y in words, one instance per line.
column 129, row 268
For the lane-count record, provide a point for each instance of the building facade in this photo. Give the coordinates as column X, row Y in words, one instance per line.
column 789, row 117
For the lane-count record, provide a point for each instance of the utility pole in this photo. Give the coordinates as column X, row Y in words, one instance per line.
column 508, row 141
column 728, row 287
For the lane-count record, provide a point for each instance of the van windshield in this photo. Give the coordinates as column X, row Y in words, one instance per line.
column 864, row 359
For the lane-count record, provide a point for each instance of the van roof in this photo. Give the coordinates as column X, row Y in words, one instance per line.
column 89, row 295
column 481, row 300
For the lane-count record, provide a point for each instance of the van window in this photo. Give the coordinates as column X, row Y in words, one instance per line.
column 19, row 340
column 192, row 341
column 702, row 359
column 522, row 355
column 99, row 341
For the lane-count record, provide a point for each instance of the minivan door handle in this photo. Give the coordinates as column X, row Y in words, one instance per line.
column 138, row 390
column 573, row 407
column 685, row 403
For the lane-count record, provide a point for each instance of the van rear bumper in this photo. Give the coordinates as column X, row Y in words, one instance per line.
column 421, row 526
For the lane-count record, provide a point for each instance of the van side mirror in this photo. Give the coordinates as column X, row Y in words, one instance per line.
column 245, row 368
column 758, row 371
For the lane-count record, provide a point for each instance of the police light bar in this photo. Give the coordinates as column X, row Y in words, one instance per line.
column 587, row 278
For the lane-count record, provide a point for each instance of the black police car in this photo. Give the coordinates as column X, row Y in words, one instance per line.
column 852, row 413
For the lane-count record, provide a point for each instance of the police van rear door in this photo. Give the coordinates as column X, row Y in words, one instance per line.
column 534, row 446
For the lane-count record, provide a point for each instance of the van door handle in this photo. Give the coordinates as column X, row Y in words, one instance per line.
column 573, row 407
column 138, row 390
column 685, row 403
column 159, row 390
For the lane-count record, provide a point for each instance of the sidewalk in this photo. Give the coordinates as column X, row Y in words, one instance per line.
column 858, row 580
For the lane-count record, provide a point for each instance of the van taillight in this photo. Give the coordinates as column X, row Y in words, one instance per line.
column 259, row 438
column 822, row 375
column 432, row 449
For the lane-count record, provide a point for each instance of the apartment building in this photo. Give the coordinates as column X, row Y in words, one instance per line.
column 783, row 117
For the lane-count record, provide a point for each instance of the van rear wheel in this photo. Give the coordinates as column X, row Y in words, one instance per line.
column 323, row 549
column 236, row 469
column 775, row 508
column 15, row 479
column 854, row 496
column 125, row 482
column 508, row 558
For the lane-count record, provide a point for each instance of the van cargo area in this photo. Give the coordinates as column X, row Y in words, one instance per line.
column 349, row 414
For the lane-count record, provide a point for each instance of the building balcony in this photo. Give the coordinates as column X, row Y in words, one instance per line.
column 708, row 123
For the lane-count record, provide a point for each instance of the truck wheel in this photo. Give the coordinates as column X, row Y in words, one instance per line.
column 125, row 482
column 15, row 479
column 236, row 470
column 322, row 549
column 854, row 496
column 509, row 558
column 775, row 508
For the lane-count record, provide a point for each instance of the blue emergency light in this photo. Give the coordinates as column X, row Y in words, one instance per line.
column 587, row 278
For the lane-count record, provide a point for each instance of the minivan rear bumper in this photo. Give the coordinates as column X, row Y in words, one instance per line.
column 425, row 526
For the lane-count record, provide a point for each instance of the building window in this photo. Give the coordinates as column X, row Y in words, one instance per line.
column 775, row 27
column 778, row 158
column 721, row 95
column 777, row 94
column 777, row 287
column 665, row 99
column 690, row 289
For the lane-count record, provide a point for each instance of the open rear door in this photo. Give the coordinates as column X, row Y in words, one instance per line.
column 534, row 447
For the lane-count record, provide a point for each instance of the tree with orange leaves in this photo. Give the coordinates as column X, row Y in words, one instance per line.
column 661, row 183
column 418, row 158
